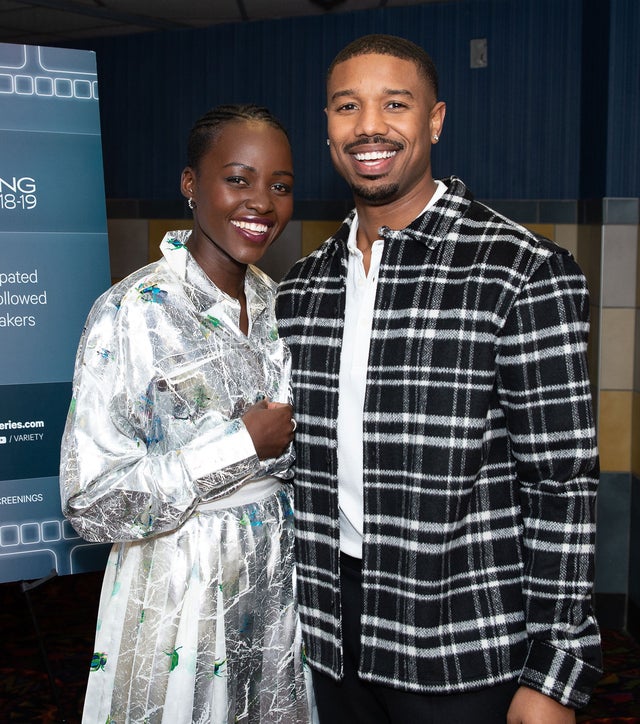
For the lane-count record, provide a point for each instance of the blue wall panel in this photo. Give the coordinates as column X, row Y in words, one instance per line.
column 623, row 167
column 513, row 129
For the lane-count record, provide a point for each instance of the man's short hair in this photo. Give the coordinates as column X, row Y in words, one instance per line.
column 390, row 45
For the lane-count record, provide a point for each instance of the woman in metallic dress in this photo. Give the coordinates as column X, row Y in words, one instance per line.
column 177, row 449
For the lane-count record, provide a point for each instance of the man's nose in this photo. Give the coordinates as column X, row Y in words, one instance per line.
column 371, row 122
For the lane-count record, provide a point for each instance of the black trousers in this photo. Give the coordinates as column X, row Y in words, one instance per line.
column 353, row 701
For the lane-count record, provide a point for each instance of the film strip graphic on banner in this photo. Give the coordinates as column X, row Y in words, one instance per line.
column 53, row 263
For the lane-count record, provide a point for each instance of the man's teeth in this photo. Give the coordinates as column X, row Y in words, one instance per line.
column 250, row 226
column 374, row 155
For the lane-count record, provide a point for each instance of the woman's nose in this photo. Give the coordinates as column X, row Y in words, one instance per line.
column 259, row 199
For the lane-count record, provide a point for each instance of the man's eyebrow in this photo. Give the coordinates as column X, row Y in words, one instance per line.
column 343, row 94
column 398, row 92
column 349, row 92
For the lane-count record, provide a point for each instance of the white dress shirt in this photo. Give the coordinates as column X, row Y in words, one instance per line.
column 354, row 358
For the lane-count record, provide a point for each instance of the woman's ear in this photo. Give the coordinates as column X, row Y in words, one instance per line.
column 187, row 183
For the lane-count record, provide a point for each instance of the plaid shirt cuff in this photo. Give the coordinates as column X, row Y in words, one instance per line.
column 559, row 674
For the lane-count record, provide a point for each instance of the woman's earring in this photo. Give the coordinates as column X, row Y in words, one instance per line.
column 190, row 203
column 436, row 137
column 328, row 142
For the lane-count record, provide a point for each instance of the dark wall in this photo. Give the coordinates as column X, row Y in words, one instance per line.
column 623, row 157
column 513, row 129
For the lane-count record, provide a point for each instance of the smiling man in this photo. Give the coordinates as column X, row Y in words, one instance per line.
column 446, row 455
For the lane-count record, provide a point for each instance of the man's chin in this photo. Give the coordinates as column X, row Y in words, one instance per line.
column 376, row 196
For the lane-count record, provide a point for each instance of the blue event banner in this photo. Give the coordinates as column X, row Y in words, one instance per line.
column 54, row 261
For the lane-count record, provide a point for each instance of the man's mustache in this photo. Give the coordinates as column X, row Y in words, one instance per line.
column 374, row 140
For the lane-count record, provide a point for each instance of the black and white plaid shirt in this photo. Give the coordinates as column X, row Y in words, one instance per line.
column 480, row 458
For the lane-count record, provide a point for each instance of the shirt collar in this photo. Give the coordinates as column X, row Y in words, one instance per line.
column 203, row 292
column 352, row 244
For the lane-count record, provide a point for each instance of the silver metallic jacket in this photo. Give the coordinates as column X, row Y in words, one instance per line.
column 163, row 375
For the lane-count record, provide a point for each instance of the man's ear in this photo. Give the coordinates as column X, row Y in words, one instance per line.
column 436, row 119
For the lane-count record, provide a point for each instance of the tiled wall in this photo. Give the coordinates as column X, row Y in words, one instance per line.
column 634, row 533
column 608, row 252
column 618, row 525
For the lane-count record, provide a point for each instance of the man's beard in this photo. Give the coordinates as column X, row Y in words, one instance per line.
column 376, row 196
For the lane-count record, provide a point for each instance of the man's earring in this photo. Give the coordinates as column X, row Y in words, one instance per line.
column 191, row 203
column 436, row 137
column 328, row 142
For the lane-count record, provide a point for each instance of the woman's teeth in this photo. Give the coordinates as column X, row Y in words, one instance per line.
column 250, row 226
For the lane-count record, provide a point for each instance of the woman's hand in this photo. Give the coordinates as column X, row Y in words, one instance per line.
column 271, row 427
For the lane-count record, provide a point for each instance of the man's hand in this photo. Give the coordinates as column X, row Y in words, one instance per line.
column 531, row 707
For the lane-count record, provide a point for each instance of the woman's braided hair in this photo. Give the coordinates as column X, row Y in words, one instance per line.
column 206, row 128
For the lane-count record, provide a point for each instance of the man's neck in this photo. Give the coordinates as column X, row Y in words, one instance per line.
column 396, row 214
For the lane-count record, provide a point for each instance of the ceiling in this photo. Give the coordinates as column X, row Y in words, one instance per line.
column 42, row 22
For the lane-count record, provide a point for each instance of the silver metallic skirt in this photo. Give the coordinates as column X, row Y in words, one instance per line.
column 199, row 625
